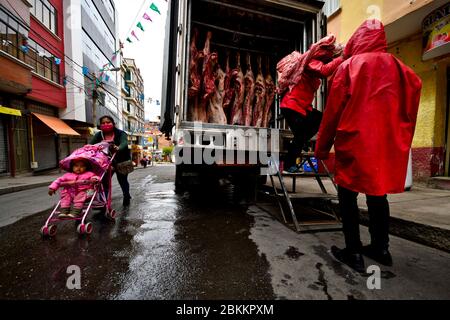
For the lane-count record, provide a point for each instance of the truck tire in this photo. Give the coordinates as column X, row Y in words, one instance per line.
column 179, row 182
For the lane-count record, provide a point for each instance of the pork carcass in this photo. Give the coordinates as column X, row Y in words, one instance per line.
column 196, row 57
column 249, row 84
column 239, row 93
column 270, row 97
column 209, row 64
column 208, row 87
column 216, row 113
column 260, row 97
column 194, row 73
column 229, row 90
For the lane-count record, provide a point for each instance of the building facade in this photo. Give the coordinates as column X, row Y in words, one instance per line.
column 92, row 26
column 133, row 106
column 32, row 91
column 407, row 25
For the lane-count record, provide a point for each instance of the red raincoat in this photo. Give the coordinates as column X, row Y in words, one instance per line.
column 370, row 115
column 300, row 98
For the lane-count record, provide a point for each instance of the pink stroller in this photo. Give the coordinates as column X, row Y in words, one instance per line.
column 100, row 159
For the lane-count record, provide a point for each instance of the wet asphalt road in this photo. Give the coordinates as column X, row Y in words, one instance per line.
column 164, row 246
column 200, row 245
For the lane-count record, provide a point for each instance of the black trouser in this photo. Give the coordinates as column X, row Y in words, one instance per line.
column 123, row 182
column 303, row 128
column 378, row 207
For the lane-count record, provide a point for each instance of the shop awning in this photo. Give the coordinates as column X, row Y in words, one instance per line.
column 57, row 125
column 10, row 111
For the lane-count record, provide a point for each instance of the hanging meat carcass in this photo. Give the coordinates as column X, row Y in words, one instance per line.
column 260, row 97
column 209, row 60
column 216, row 113
column 249, row 84
column 194, row 74
column 239, row 92
column 229, row 90
column 208, row 69
column 270, row 97
column 196, row 57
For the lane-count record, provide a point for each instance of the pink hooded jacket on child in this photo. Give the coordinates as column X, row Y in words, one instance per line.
column 70, row 176
column 79, row 192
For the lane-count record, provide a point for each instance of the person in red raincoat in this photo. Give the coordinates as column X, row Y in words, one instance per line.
column 370, row 118
column 320, row 61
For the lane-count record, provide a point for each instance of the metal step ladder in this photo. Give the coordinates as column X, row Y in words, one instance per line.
column 274, row 171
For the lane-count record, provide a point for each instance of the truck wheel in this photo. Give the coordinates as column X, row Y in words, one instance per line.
column 179, row 183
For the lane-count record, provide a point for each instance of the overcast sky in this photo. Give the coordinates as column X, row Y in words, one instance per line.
column 148, row 52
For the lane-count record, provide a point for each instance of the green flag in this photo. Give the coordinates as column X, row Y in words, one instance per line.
column 129, row 40
column 139, row 25
column 154, row 8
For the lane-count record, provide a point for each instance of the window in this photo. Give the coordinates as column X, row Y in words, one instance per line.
column 46, row 14
column 12, row 35
column 331, row 6
column 43, row 62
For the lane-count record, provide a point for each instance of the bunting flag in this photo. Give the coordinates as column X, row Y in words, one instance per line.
column 57, row 61
column 134, row 35
column 139, row 25
column 154, row 8
column 85, row 71
column 107, row 78
column 25, row 49
column 147, row 17
column 129, row 40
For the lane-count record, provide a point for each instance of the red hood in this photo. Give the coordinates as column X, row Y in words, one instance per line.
column 369, row 37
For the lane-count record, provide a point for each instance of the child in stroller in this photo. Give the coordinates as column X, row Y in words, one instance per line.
column 77, row 187
column 82, row 187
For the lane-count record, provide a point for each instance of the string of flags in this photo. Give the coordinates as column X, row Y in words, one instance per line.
column 139, row 25
column 103, row 76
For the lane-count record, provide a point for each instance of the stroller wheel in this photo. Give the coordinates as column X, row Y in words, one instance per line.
column 81, row 228
column 52, row 230
column 111, row 214
column 44, row 231
column 88, row 228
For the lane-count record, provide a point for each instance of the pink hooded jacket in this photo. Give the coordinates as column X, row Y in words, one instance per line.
column 70, row 177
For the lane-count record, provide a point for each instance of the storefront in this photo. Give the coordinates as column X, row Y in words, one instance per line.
column 436, row 49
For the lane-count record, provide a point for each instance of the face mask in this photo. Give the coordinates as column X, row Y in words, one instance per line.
column 107, row 127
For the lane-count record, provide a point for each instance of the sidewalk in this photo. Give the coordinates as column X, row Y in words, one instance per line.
column 30, row 181
column 421, row 214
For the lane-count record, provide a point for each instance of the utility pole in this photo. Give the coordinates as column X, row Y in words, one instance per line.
column 94, row 101
column 95, row 95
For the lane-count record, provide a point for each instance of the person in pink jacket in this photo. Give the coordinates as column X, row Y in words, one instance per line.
column 77, row 188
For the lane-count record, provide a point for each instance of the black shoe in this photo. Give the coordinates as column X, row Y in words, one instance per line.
column 382, row 256
column 353, row 260
column 126, row 201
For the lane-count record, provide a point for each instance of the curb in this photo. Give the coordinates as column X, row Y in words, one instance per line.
column 8, row 190
column 427, row 235
column 430, row 236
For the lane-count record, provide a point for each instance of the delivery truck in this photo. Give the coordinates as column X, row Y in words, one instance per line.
column 219, row 104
